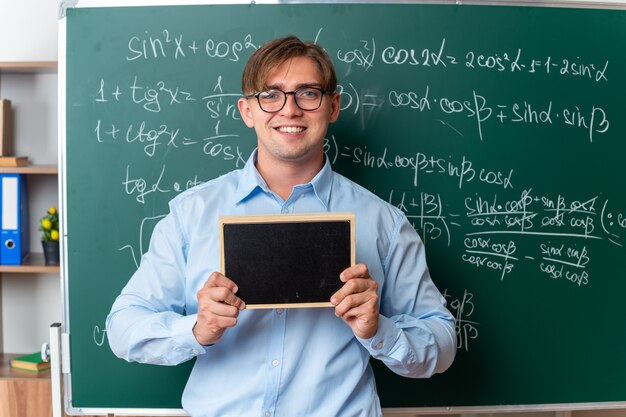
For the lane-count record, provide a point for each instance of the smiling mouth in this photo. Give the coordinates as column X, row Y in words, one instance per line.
column 290, row 129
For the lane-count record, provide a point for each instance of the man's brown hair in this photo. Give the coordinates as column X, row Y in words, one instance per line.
column 277, row 51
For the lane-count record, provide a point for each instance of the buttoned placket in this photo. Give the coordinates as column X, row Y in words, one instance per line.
column 275, row 362
column 275, row 359
column 299, row 192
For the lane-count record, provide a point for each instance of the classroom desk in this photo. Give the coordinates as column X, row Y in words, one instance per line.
column 22, row 393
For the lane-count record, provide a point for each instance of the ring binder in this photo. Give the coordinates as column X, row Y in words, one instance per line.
column 14, row 235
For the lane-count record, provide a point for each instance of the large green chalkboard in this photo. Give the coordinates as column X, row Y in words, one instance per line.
column 500, row 131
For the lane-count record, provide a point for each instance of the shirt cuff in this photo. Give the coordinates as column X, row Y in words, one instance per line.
column 182, row 333
column 383, row 341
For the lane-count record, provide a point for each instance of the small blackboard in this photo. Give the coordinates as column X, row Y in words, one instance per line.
column 287, row 260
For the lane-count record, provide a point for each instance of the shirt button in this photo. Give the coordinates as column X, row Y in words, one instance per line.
column 279, row 311
column 275, row 362
column 378, row 346
column 285, row 210
column 267, row 414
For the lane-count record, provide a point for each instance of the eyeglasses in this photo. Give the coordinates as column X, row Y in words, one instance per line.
column 306, row 98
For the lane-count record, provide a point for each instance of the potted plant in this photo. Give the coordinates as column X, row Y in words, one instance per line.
column 49, row 225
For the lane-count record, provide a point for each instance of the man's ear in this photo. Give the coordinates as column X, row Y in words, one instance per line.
column 334, row 107
column 246, row 112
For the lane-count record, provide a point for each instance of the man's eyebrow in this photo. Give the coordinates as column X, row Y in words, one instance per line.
column 302, row 85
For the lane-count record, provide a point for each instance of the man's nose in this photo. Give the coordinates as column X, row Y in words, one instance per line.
column 291, row 107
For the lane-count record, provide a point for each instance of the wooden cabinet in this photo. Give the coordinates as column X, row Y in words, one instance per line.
column 26, row 394
column 22, row 393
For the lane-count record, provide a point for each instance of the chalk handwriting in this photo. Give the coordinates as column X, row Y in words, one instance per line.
column 509, row 223
column 425, row 213
column 462, row 308
column 141, row 245
column 561, row 261
column 166, row 45
column 362, row 56
column 99, row 335
column 461, row 171
column 365, row 103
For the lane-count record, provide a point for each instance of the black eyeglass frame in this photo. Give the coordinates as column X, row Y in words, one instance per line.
column 286, row 93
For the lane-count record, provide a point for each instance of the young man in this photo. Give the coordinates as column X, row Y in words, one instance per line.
column 295, row 362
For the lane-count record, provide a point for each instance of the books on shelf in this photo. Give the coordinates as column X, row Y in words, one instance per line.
column 6, row 138
column 6, row 128
column 31, row 362
column 13, row 161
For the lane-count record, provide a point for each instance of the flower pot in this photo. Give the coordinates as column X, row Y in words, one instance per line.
column 51, row 251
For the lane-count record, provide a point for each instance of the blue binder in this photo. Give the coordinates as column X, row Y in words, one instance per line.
column 14, row 236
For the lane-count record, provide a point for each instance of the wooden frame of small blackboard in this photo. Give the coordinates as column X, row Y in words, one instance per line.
column 287, row 260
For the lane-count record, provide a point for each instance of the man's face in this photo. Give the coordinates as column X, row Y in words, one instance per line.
column 291, row 134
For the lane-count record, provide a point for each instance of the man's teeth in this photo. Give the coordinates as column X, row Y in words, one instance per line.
column 290, row 129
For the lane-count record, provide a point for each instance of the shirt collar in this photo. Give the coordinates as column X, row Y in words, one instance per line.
column 251, row 181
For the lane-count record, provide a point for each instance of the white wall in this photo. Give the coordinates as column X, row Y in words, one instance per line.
column 28, row 30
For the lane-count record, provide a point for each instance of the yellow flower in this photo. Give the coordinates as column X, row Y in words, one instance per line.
column 49, row 225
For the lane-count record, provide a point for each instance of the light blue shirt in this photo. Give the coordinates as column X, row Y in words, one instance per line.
column 282, row 362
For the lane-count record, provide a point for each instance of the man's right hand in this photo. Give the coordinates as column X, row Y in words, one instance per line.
column 218, row 308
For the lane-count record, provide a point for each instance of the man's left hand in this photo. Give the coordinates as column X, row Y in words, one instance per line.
column 357, row 301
